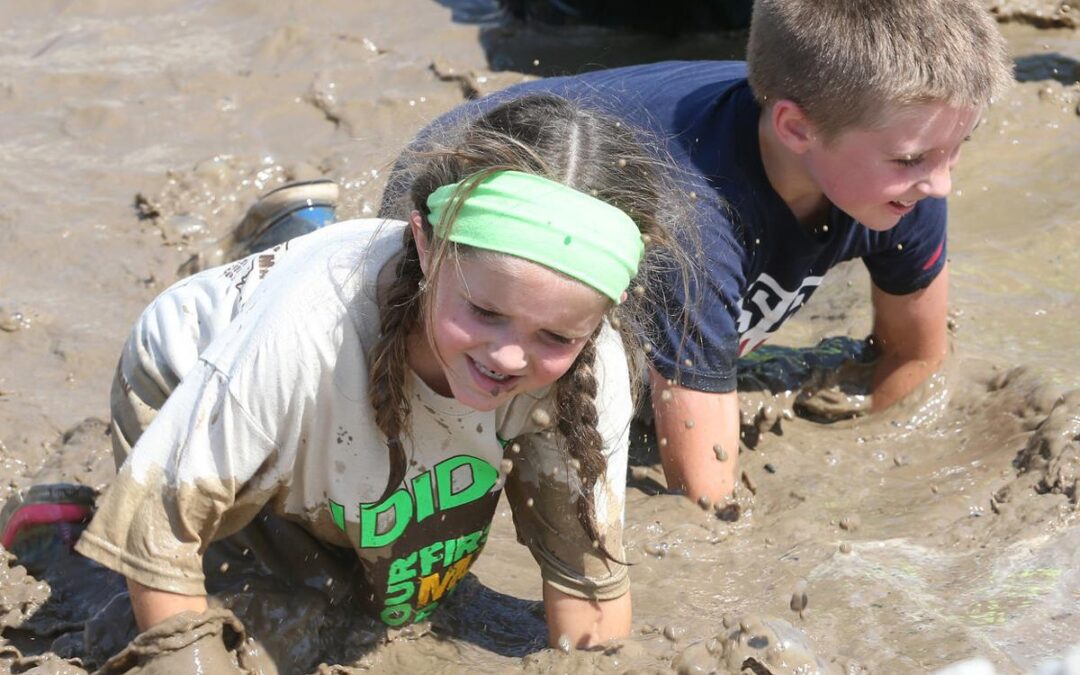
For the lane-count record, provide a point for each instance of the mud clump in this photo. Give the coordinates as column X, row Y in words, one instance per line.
column 799, row 598
column 768, row 646
column 19, row 596
column 212, row 642
column 1052, row 454
column 1041, row 13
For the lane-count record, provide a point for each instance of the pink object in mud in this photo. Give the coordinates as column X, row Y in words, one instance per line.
column 43, row 514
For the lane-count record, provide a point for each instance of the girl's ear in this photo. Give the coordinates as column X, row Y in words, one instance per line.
column 423, row 246
column 791, row 126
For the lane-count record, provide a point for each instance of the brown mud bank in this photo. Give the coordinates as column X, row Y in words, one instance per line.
column 944, row 529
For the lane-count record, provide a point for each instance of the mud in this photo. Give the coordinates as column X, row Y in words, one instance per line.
column 137, row 133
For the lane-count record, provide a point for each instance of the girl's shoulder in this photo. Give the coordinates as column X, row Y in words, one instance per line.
column 311, row 282
column 323, row 281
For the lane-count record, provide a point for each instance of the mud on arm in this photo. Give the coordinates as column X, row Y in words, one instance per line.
column 698, row 434
column 586, row 593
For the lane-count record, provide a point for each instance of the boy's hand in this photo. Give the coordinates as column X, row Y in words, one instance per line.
column 911, row 333
column 698, row 434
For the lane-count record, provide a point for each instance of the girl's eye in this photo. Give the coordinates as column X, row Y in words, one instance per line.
column 559, row 339
column 483, row 313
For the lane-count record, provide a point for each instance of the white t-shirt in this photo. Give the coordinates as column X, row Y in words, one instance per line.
column 264, row 362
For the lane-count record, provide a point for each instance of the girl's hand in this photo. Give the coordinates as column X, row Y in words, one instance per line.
column 584, row 623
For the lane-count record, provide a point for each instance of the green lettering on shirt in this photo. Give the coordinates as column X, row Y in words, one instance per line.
column 404, row 591
column 337, row 512
column 405, row 507
column 433, row 587
column 402, row 569
column 429, row 555
column 484, row 477
column 396, row 615
column 417, row 581
column 425, row 505
column 402, row 505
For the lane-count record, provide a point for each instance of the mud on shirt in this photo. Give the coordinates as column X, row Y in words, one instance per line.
column 246, row 386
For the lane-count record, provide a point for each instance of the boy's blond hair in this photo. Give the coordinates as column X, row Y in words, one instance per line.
column 847, row 62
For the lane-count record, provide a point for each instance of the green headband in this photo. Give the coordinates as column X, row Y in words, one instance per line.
column 537, row 219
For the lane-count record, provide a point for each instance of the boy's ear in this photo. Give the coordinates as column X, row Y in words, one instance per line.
column 791, row 126
column 423, row 246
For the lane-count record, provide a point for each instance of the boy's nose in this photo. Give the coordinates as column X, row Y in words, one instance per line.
column 938, row 183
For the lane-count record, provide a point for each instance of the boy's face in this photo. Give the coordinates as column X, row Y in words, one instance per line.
column 876, row 176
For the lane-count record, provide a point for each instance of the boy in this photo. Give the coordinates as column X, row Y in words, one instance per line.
column 834, row 141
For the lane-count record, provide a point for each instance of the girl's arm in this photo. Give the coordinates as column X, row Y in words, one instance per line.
column 152, row 606
column 585, row 586
column 585, row 623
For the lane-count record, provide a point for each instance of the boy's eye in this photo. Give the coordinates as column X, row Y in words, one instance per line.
column 909, row 160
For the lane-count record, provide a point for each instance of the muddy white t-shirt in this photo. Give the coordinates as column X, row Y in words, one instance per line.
column 264, row 365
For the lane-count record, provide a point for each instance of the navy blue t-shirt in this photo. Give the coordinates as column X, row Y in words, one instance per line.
column 760, row 264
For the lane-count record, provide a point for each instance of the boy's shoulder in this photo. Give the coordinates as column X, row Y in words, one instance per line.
column 703, row 112
column 699, row 71
column 619, row 88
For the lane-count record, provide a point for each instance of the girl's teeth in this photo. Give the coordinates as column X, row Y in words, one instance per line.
column 490, row 373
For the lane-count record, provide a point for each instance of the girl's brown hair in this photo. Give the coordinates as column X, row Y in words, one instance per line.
column 566, row 142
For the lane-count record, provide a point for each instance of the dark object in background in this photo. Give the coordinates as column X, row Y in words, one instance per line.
column 673, row 17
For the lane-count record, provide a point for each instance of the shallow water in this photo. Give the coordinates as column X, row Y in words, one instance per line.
column 944, row 529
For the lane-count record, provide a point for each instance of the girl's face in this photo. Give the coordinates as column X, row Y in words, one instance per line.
column 499, row 326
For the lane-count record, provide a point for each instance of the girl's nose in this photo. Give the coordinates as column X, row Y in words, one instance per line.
column 509, row 356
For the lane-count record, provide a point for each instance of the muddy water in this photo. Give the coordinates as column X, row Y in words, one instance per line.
column 136, row 132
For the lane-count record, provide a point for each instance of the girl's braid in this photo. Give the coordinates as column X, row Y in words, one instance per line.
column 575, row 403
column 389, row 364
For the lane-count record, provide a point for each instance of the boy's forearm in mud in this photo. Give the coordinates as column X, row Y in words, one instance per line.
column 698, row 435
column 895, row 377
column 911, row 334
column 152, row 606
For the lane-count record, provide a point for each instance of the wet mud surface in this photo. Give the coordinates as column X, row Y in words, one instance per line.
column 136, row 134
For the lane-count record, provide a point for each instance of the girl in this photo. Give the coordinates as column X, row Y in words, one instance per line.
column 378, row 382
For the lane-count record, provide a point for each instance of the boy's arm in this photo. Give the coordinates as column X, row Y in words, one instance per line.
column 689, row 426
column 910, row 332
column 585, row 623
